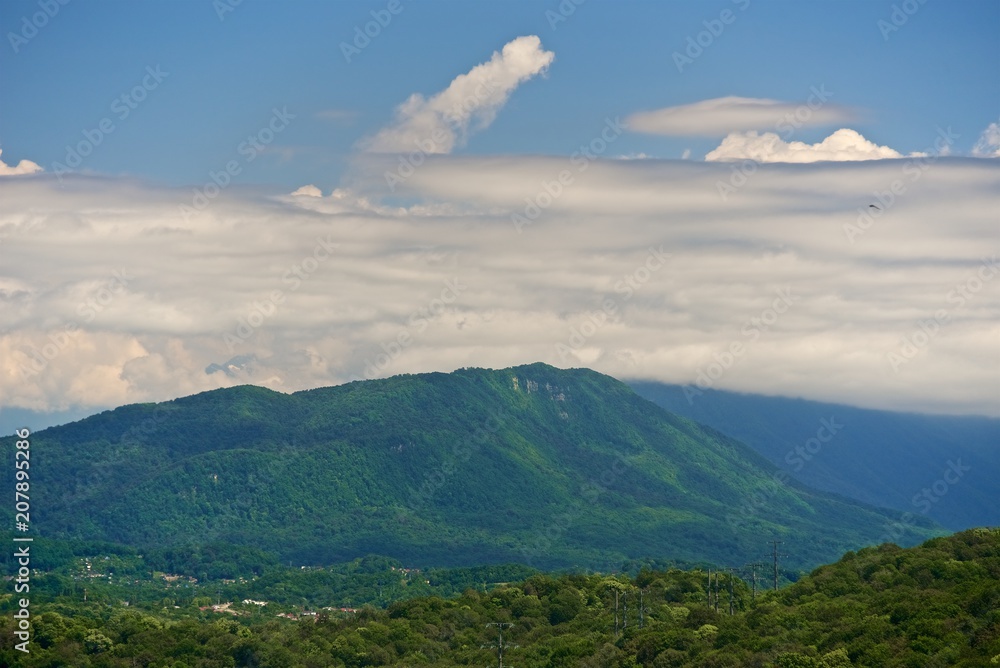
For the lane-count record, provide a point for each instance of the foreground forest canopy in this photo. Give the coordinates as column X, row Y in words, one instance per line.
column 937, row 604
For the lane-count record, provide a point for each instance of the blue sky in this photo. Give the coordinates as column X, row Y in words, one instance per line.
column 225, row 76
column 802, row 205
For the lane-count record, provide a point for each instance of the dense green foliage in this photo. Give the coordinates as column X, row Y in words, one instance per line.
column 879, row 457
column 548, row 467
column 933, row 605
column 65, row 572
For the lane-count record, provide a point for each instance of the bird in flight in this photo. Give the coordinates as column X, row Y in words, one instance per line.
column 872, row 206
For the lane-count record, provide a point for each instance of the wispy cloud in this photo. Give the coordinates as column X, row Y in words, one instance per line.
column 988, row 144
column 440, row 123
column 721, row 116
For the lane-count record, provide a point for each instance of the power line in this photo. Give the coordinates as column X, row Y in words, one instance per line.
column 710, row 587
column 500, row 645
column 776, row 543
column 753, row 573
column 732, row 571
column 716, row 590
column 624, row 610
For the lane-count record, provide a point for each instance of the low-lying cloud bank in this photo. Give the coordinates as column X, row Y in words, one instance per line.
column 871, row 283
column 865, row 278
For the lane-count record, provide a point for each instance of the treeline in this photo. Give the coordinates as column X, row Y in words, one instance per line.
column 933, row 605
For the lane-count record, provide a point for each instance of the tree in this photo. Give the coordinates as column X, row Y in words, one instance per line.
column 96, row 642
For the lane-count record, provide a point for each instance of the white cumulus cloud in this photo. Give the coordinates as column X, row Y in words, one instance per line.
column 23, row 167
column 988, row 145
column 440, row 123
column 308, row 191
column 720, row 116
column 844, row 144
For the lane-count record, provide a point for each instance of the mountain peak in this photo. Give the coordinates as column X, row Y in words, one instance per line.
column 417, row 467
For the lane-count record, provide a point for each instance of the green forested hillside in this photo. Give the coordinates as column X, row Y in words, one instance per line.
column 933, row 605
column 533, row 464
column 879, row 457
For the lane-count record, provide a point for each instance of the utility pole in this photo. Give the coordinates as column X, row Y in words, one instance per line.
column 731, row 572
column 500, row 645
column 640, row 609
column 624, row 610
column 716, row 591
column 776, row 543
column 753, row 570
column 616, row 612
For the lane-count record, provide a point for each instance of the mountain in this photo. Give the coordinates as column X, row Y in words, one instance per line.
column 548, row 467
column 945, row 467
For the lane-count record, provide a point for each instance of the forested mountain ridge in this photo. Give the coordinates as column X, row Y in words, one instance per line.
column 883, row 458
column 554, row 468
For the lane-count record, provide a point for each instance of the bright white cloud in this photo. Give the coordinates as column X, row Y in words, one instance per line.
column 334, row 282
column 842, row 145
column 440, row 123
column 988, row 145
column 308, row 191
column 720, row 116
column 23, row 167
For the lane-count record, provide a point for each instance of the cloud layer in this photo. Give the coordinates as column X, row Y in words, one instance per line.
column 871, row 283
column 788, row 283
column 440, row 123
